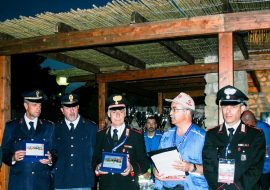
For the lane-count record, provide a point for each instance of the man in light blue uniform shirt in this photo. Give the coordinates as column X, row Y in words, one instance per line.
column 249, row 118
column 189, row 140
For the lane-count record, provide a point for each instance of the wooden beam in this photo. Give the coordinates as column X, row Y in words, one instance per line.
column 241, row 44
column 225, row 68
column 194, row 93
column 169, row 44
column 122, row 56
column 142, row 32
column 186, row 70
column 83, row 78
column 160, row 103
column 109, row 51
column 255, row 81
column 5, row 109
column 73, row 61
column 102, row 95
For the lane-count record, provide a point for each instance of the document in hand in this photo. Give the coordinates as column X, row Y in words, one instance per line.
column 163, row 160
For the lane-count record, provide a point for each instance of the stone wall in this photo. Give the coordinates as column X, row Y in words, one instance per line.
column 260, row 102
column 211, row 88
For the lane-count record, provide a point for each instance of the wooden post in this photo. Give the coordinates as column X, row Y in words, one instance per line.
column 5, row 110
column 225, row 66
column 160, row 102
column 102, row 95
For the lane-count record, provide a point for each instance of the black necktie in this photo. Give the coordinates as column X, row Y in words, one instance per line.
column 32, row 129
column 115, row 137
column 71, row 127
column 230, row 134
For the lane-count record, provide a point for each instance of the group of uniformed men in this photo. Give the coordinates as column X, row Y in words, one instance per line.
column 69, row 154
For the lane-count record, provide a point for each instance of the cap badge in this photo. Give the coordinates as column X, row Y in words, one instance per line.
column 70, row 97
column 37, row 93
column 116, row 99
column 229, row 91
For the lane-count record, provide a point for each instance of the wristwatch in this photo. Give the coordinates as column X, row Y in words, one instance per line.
column 194, row 168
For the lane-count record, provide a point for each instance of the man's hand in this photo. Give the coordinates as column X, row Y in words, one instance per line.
column 18, row 156
column 128, row 169
column 98, row 171
column 47, row 161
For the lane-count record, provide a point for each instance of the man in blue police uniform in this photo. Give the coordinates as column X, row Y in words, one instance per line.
column 249, row 118
column 152, row 138
column 188, row 138
column 27, row 173
column 233, row 152
column 74, row 139
column 119, row 138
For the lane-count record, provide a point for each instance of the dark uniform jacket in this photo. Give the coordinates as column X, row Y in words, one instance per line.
column 25, row 175
column 134, row 147
column 248, row 150
column 73, row 152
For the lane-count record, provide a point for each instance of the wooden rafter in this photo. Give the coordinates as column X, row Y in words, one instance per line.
column 73, row 61
column 186, row 70
column 109, row 51
column 169, row 44
column 142, row 32
column 4, row 36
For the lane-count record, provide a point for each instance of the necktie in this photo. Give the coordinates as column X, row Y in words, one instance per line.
column 115, row 137
column 71, row 127
column 230, row 134
column 32, row 129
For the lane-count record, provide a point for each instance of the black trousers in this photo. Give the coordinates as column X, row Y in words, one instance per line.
column 265, row 181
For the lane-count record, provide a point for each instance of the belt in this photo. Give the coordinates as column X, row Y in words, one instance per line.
column 177, row 187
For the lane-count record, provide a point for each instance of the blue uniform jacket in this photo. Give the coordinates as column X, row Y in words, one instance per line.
column 152, row 144
column 191, row 151
column 73, row 152
column 266, row 129
column 26, row 175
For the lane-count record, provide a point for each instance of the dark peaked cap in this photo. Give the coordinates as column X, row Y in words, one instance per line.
column 229, row 95
column 69, row 100
column 116, row 101
column 36, row 96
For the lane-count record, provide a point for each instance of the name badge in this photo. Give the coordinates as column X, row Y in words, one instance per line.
column 226, row 169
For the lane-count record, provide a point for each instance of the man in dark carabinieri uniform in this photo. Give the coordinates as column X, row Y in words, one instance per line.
column 73, row 146
column 26, row 173
column 119, row 138
column 233, row 153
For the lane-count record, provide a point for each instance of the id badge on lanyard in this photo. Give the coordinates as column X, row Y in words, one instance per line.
column 226, row 169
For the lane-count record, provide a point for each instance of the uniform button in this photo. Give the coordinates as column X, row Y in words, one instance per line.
column 71, row 137
column 33, row 173
column 71, row 146
column 71, row 165
column 71, row 155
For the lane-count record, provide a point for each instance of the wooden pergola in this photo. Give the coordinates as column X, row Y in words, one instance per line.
column 222, row 25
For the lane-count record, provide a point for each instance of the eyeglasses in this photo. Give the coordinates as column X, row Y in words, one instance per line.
column 176, row 109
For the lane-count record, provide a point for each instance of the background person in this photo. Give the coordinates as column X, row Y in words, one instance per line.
column 119, row 138
column 189, row 140
column 233, row 152
column 249, row 118
column 73, row 142
column 26, row 174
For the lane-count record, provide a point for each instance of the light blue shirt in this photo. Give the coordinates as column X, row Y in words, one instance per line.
column 190, row 150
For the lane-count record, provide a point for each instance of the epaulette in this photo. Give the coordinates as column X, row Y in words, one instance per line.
column 218, row 126
column 103, row 129
column 136, row 130
column 11, row 121
column 46, row 120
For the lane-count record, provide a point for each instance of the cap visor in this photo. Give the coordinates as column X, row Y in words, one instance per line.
column 232, row 103
column 70, row 105
column 169, row 100
column 117, row 108
column 34, row 100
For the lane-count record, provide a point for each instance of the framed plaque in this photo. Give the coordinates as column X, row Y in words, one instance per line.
column 113, row 162
column 34, row 150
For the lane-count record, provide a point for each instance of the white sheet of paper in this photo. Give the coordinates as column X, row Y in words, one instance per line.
column 34, row 149
column 164, row 161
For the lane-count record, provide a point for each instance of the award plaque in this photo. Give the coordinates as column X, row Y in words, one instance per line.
column 113, row 162
column 34, row 151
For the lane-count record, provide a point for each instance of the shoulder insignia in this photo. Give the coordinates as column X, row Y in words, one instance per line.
column 214, row 128
column 243, row 128
column 20, row 120
column 136, row 130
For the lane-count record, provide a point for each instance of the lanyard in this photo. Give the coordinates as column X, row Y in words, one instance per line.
column 184, row 138
column 116, row 147
column 227, row 149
